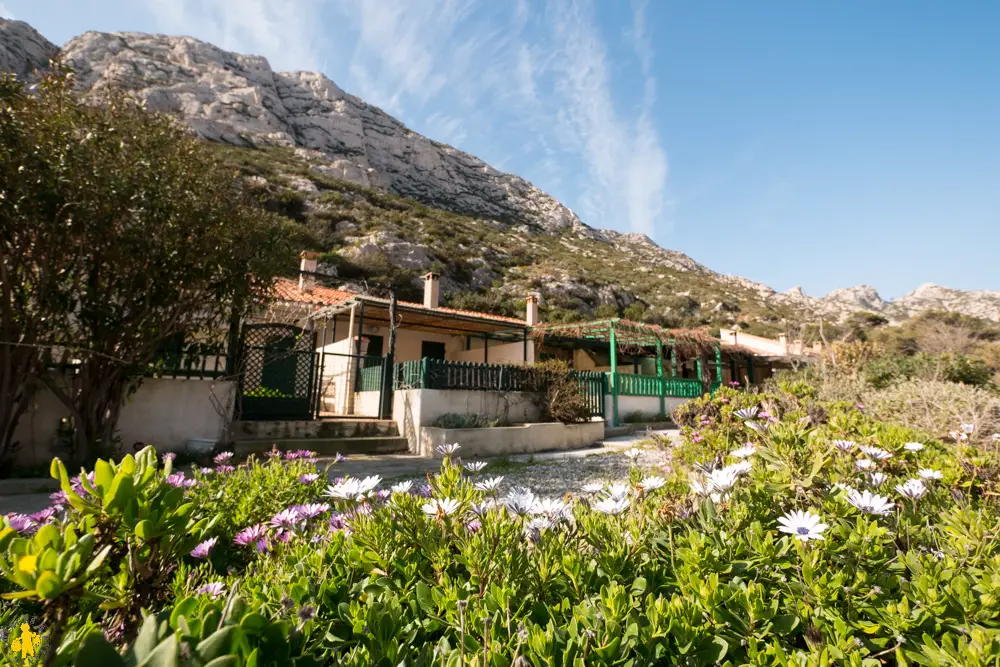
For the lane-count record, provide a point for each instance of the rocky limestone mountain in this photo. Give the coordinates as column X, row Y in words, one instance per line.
column 23, row 50
column 513, row 236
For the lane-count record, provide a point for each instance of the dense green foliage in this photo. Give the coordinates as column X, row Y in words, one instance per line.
column 893, row 559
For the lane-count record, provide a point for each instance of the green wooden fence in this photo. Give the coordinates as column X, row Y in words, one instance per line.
column 650, row 385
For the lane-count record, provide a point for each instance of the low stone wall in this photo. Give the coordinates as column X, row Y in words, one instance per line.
column 647, row 404
column 413, row 409
column 508, row 440
column 163, row 412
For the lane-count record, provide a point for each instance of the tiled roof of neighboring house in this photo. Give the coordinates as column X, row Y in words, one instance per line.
column 288, row 290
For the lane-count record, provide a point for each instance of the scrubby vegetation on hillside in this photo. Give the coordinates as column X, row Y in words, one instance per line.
column 490, row 265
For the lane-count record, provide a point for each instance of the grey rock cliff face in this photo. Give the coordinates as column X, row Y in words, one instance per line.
column 238, row 99
column 23, row 50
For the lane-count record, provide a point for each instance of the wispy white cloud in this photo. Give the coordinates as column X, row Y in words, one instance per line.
column 285, row 32
column 526, row 84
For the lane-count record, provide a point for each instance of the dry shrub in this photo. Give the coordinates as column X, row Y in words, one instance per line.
column 558, row 391
column 936, row 407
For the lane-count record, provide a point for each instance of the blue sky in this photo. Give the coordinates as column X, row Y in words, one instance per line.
column 821, row 144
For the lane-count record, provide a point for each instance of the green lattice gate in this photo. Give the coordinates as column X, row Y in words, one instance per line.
column 276, row 372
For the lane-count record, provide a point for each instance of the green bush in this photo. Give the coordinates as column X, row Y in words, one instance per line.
column 640, row 417
column 777, row 548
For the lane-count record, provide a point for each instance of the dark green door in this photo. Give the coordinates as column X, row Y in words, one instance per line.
column 431, row 349
column 276, row 372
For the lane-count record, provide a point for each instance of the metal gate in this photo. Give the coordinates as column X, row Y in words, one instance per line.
column 277, row 377
column 593, row 386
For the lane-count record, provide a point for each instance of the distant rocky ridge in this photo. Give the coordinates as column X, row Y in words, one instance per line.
column 239, row 100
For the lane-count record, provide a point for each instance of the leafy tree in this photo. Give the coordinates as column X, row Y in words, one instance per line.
column 605, row 311
column 120, row 232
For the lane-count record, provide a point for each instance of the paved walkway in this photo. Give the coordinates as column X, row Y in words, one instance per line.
column 549, row 473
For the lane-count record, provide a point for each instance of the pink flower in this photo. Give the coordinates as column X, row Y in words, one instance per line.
column 308, row 478
column 286, row 519
column 203, row 549
column 250, row 535
column 222, row 469
column 223, row 457
column 216, row 590
column 177, row 480
column 21, row 523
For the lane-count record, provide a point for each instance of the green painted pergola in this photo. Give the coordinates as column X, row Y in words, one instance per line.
column 625, row 335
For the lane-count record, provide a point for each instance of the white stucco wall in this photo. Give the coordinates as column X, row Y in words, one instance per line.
column 647, row 404
column 523, row 439
column 163, row 412
column 413, row 409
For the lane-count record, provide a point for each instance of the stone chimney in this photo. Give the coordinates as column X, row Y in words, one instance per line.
column 432, row 290
column 531, row 314
column 307, row 272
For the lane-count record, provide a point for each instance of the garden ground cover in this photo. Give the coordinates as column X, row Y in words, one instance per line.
column 787, row 532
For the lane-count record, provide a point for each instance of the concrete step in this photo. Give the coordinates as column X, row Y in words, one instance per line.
column 384, row 444
column 335, row 427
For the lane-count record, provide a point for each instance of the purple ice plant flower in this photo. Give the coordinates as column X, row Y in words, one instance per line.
column 473, row 526
column 178, row 480
column 215, row 590
column 45, row 515
column 205, row 548
column 696, row 437
column 262, row 545
column 734, row 384
column 859, row 406
column 337, row 522
column 21, row 523
column 224, row 468
column 339, row 458
column 250, row 535
column 77, row 484
column 169, row 456
column 301, row 454
column 284, row 535
column 308, row 478
column 206, row 471
column 310, row 510
column 59, row 498
column 288, row 519
column 223, row 457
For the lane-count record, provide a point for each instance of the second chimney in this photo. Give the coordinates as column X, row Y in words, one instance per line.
column 531, row 316
column 432, row 290
column 307, row 272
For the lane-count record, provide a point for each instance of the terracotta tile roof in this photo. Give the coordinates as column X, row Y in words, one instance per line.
column 288, row 290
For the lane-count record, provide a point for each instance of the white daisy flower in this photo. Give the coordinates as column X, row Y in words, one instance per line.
column 489, row 484
column 368, row 484
column 846, row 488
column 611, row 505
column 440, row 507
column 617, row 490
column 745, row 451
column 913, row 446
column 745, row 413
column 553, row 508
column 870, row 503
column 633, row 453
column 723, row 480
column 402, row 487
column 475, row 466
column 845, row 445
column 760, row 427
column 930, row 473
column 876, row 453
column 968, row 428
column 914, row 489
column 864, row 464
column 804, row 526
column 996, row 437
column 652, row 483
column 345, row 490
column 592, row 487
column 520, row 500
column 700, row 488
column 877, row 479
column 448, row 450
column 739, row 468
